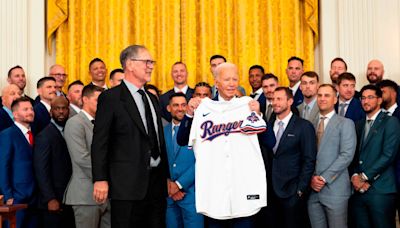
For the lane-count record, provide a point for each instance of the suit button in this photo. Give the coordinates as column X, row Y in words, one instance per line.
column 174, row 165
column 360, row 162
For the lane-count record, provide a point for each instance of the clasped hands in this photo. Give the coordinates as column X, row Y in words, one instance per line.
column 173, row 191
column 359, row 184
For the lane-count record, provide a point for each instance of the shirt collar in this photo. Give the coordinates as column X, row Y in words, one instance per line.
column 22, row 127
column 392, row 109
column 329, row 115
column 104, row 86
column 9, row 112
column 222, row 99
column 375, row 115
column 183, row 90
column 345, row 102
column 76, row 108
column 131, row 87
column 45, row 105
column 87, row 115
column 57, row 126
column 285, row 120
column 312, row 103
column 258, row 92
column 295, row 87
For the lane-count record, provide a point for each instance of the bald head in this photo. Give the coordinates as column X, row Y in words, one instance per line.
column 375, row 71
column 58, row 72
column 60, row 110
column 9, row 94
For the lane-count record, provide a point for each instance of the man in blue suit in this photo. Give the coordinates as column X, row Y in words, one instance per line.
column 291, row 161
column 294, row 71
column 181, row 207
column 372, row 170
column 17, row 181
column 179, row 76
column 9, row 94
column 46, row 88
column 347, row 105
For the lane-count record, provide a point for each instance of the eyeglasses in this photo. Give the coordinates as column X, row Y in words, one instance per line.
column 60, row 75
column 148, row 62
column 370, row 97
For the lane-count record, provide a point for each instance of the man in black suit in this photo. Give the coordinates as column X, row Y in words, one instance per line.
column 294, row 70
column 9, row 94
column 292, row 162
column 255, row 74
column 16, row 75
column 52, row 165
column 129, row 160
column 179, row 76
column 46, row 88
column 98, row 73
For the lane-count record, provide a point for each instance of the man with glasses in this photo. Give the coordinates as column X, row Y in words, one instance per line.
column 372, row 170
column 58, row 73
column 129, row 160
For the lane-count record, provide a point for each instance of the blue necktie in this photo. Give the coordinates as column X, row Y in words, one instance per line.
column 278, row 136
column 174, row 142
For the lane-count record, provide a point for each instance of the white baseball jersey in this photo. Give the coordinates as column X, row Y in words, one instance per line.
column 230, row 172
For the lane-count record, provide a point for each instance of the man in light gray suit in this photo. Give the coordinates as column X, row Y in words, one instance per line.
column 78, row 135
column 336, row 138
column 309, row 110
column 75, row 97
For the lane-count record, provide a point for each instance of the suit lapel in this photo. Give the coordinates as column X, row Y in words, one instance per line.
column 328, row 130
column 131, row 107
column 374, row 128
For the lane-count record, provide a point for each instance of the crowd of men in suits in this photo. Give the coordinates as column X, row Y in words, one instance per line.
column 101, row 157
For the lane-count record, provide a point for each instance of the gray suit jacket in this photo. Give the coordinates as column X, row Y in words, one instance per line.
column 78, row 135
column 335, row 153
column 314, row 113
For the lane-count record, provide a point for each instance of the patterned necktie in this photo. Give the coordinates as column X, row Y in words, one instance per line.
column 269, row 111
column 151, row 130
column 368, row 126
column 174, row 134
column 342, row 106
column 321, row 129
column 306, row 112
column 30, row 136
column 278, row 136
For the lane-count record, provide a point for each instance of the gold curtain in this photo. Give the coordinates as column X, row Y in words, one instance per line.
column 248, row 32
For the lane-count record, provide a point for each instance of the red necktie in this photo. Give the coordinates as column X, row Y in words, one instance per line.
column 30, row 135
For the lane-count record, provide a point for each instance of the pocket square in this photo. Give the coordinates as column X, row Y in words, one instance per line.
column 290, row 135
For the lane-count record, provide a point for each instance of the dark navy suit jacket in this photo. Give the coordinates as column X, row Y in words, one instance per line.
column 5, row 120
column 354, row 110
column 164, row 101
column 52, row 165
column 297, row 98
column 42, row 118
column 293, row 164
column 16, row 166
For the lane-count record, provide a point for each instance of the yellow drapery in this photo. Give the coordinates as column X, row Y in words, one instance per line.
column 248, row 32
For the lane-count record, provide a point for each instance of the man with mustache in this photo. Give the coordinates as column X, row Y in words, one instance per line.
column 46, row 88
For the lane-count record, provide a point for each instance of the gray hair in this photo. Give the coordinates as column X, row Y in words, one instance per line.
column 224, row 66
column 130, row 52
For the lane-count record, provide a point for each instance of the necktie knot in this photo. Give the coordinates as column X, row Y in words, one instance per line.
column 280, row 123
column 141, row 92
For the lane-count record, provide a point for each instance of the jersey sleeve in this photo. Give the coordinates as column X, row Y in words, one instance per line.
column 253, row 124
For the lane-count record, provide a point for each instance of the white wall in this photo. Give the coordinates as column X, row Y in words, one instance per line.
column 358, row 31
column 22, row 26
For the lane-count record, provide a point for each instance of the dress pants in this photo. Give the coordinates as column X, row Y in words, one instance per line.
column 92, row 216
